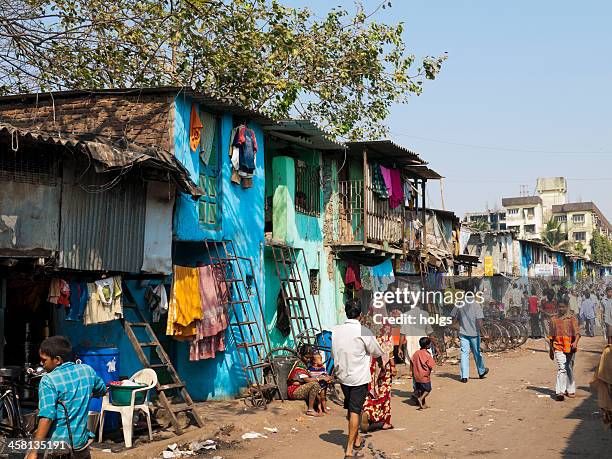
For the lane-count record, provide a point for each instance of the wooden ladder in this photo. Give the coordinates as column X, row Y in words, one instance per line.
column 153, row 343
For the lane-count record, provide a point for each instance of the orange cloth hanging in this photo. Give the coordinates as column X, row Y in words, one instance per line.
column 185, row 306
column 195, row 129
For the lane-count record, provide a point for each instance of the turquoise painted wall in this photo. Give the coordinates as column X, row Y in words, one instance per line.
column 242, row 221
column 300, row 231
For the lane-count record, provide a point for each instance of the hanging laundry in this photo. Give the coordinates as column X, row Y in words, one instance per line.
column 59, row 292
column 407, row 193
column 382, row 276
column 365, row 273
column 79, row 295
column 351, row 276
column 396, row 197
column 207, row 348
column 213, row 294
column 210, row 336
column 195, row 129
column 378, row 183
column 185, row 305
column 386, row 175
column 105, row 301
column 157, row 300
column 234, row 154
column 283, row 324
column 244, row 138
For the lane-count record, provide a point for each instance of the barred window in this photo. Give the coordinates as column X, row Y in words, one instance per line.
column 313, row 278
column 307, row 189
column 35, row 168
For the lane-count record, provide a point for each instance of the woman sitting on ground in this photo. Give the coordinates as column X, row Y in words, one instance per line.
column 302, row 386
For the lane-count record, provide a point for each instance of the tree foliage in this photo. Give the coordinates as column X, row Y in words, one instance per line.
column 554, row 237
column 479, row 225
column 601, row 249
column 343, row 71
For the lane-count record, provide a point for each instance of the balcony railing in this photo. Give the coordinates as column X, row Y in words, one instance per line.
column 363, row 218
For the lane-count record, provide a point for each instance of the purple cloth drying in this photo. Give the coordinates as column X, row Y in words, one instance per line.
column 386, row 174
column 396, row 196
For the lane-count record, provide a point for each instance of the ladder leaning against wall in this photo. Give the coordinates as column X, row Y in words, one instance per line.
column 304, row 329
column 247, row 321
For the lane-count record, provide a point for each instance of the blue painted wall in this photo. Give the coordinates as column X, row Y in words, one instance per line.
column 110, row 334
column 242, row 221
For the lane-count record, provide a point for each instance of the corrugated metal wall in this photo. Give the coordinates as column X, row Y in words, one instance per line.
column 101, row 230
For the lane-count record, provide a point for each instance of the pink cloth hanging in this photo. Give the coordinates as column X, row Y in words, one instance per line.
column 396, row 196
column 210, row 330
column 386, row 174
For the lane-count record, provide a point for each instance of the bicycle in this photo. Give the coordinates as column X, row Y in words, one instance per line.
column 14, row 422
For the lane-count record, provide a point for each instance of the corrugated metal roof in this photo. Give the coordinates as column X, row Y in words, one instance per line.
column 108, row 154
column 423, row 172
column 305, row 133
column 387, row 149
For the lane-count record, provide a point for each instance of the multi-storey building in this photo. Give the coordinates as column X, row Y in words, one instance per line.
column 524, row 216
column 579, row 220
column 495, row 218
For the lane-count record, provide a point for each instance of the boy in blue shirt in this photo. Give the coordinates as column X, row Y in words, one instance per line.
column 64, row 393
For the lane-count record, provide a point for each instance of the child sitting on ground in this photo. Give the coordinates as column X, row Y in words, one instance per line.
column 422, row 364
column 317, row 370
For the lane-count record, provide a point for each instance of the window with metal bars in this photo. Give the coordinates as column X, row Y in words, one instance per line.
column 313, row 278
column 307, row 189
column 35, row 168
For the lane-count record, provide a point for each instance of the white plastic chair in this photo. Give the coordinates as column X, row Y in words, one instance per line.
column 146, row 376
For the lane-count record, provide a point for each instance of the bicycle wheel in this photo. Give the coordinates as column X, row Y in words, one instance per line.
column 8, row 413
column 514, row 333
column 335, row 394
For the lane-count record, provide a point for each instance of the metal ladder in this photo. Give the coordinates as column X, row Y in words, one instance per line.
column 253, row 345
column 303, row 329
column 153, row 343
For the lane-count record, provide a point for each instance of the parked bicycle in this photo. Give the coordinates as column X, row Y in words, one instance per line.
column 18, row 418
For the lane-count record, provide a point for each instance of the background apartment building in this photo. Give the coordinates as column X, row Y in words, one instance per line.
column 579, row 220
column 496, row 219
column 527, row 216
column 524, row 216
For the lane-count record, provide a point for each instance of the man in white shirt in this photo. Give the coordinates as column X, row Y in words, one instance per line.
column 353, row 347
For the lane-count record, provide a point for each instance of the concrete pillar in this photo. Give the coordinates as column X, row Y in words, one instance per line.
column 283, row 209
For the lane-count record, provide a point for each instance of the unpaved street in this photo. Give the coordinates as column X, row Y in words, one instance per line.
column 508, row 414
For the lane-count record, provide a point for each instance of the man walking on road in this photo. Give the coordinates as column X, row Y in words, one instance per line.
column 564, row 337
column 607, row 314
column 470, row 318
column 587, row 314
column 353, row 347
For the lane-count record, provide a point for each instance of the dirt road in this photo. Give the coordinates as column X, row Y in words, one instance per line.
column 508, row 414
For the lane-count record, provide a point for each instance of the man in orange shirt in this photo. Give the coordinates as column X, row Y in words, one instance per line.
column 564, row 337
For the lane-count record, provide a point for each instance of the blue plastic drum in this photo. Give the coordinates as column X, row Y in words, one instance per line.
column 105, row 362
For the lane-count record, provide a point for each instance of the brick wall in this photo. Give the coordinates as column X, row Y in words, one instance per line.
column 145, row 119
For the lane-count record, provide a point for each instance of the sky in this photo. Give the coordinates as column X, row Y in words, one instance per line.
column 525, row 93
